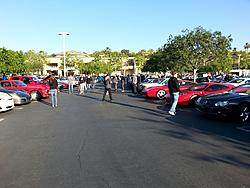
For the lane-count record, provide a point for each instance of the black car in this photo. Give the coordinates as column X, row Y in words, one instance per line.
column 235, row 103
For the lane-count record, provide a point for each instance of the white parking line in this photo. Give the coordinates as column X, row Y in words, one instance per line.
column 1, row 119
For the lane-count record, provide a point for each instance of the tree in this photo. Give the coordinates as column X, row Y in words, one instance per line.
column 35, row 61
column 247, row 46
column 12, row 62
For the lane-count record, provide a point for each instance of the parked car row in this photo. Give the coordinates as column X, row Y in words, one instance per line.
column 226, row 99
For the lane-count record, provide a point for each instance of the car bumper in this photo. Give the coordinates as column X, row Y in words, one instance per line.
column 22, row 100
column 6, row 105
column 223, row 111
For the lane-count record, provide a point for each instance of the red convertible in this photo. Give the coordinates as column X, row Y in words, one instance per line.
column 160, row 91
column 190, row 95
column 37, row 92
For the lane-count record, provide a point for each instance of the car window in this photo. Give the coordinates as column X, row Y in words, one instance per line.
column 216, row 87
column 236, row 81
column 26, row 80
column 5, row 84
column 241, row 89
column 15, row 78
column 198, row 87
column 183, row 83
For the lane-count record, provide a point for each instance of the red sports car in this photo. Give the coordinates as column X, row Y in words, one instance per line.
column 37, row 92
column 160, row 91
column 30, row 81
column 190, row 95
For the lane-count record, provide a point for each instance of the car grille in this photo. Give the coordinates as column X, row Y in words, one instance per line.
column 8, row 106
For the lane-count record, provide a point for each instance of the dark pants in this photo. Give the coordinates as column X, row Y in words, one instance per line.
column 105, row 91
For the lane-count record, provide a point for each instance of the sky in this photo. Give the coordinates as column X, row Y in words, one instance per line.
column 119, row 24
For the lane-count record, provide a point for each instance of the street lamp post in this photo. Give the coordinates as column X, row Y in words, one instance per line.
column 64, row 51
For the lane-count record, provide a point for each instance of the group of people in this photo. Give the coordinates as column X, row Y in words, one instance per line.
column 84, row 82
column 173, row 86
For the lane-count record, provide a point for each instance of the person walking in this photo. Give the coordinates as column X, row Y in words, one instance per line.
column 174, row 89
column 53, row 90
column 71, row 83
column 107, row 84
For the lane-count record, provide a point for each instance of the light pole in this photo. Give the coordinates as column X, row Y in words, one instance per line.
column 64, row 51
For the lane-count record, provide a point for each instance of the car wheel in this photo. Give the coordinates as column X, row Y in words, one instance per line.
column 36, row 96
column 161, row 94
column 244, row 113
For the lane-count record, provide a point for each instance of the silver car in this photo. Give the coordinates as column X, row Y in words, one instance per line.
column 19, row 97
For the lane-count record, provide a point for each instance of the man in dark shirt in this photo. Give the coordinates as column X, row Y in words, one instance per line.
column 174, row 89
column 53, row 90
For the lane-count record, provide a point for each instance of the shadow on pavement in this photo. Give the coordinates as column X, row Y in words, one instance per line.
column 45, row 102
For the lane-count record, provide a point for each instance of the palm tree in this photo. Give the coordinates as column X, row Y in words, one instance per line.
column 247, row 46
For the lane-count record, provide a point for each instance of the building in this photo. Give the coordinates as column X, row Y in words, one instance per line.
column 55, row 64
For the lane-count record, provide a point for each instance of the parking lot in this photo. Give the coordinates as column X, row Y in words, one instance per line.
column 131, row 142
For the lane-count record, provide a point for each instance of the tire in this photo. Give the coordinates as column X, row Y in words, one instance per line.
column 35, row 95
column 243, row 115
column 161, row 94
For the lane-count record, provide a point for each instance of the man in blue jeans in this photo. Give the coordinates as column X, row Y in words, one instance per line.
column 174, row 89
column 53, row 90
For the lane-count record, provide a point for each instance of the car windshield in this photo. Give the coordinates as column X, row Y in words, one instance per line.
column 20, row 83
column 236, row 81
column 34, row 78
column 161, row 81
column 241, row 89
column 2, row 89
column 153, row 81
column 198, row 87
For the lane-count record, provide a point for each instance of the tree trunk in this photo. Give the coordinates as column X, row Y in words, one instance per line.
column 194, row 72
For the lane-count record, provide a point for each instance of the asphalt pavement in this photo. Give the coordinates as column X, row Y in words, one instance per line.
column 130, row 142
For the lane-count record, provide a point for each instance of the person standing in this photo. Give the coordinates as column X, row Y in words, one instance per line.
column 71, row 83
column 123, row 83
column 4, row 77
column 93, row 81
column 174, row 89
column 53, row 90
column 107, row 84
column 134, row 84
column 82, row 84
column 115, row 81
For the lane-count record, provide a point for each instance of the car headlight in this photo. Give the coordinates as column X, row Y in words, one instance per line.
column 221, row 103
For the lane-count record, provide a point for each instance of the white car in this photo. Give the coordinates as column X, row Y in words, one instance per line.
column 239, row 81
column 6, row 102
column 160, row 82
